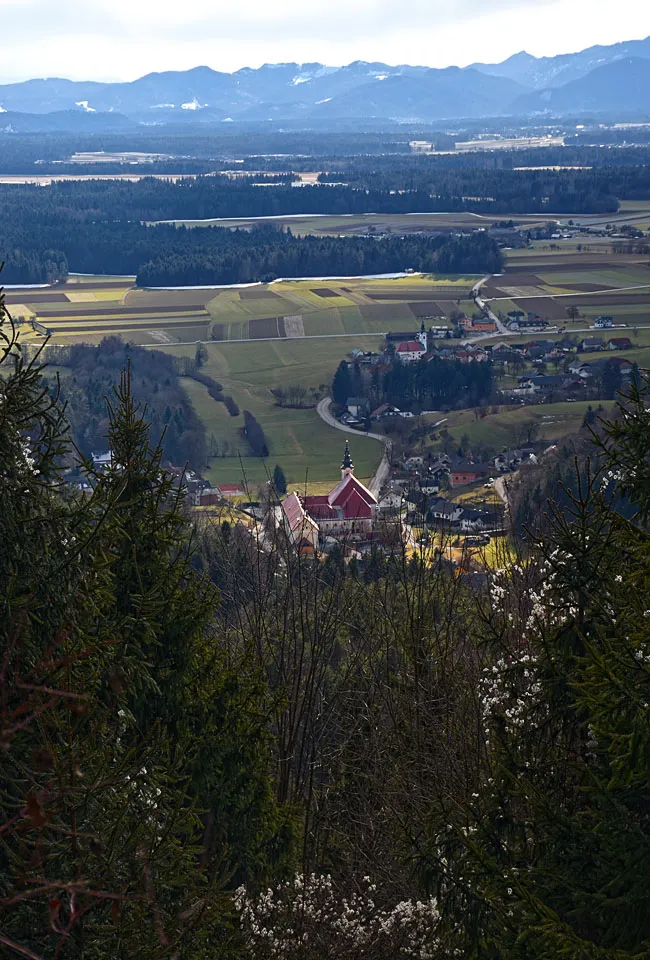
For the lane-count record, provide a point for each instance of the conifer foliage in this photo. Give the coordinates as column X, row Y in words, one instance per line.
column 118, row 825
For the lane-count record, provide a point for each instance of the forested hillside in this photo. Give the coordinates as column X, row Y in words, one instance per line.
column 216, row 748
column 87, row 376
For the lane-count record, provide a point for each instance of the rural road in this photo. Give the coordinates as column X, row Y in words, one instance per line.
column 381, row 473
column 482, row 305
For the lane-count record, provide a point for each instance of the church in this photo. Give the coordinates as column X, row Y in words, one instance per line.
column 348, row 510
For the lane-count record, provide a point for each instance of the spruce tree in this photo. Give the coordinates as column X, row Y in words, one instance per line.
column 341, row 384
column 279, row 480
column 134, row 787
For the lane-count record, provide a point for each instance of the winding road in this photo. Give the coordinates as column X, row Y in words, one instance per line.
column 381, row 473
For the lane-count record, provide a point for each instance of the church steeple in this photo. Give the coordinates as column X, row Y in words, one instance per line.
column 347, row 467
column 422, row 335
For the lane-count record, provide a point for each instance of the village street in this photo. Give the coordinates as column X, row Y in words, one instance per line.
column 382, row 471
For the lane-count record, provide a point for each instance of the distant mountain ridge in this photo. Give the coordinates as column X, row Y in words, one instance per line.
column 599, row 79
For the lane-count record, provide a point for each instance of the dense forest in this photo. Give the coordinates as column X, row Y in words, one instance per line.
column 87, row 376
column 96, row 227
column 100, row 226
column 427, row 385
column 216, row 749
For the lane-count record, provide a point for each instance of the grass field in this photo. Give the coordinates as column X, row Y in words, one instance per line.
column 305, row 447
column 362, row 223
column 503, row 429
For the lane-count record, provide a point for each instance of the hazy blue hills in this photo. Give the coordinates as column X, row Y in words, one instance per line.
column 541, row 72
column 600, row 80
column 622, row 85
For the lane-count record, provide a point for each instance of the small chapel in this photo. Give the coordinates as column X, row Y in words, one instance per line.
column 348, row 510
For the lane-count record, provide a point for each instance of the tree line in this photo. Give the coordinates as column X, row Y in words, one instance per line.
column 425, row 385
column 49, row 231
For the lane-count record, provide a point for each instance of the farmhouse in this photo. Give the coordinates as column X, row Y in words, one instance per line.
column 589, row 344
column 603, row 323
column 464, row 472
column 619, row 343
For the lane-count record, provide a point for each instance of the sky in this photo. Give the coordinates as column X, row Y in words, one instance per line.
column 124, row 39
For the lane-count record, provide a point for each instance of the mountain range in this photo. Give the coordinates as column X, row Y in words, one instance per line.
column 602, row 80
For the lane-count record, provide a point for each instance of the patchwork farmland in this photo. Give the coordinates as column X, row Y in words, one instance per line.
column 296, row 332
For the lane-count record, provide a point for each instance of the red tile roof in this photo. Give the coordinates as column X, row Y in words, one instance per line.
column 410, row 346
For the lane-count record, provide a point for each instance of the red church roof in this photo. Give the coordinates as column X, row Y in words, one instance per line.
column 410, row 346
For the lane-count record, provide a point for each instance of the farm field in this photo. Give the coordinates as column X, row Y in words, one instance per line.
column 337, row 225
column 504, row 429
column 87, row 309
column 296, row 332
column 616, row 285
column 306, row 448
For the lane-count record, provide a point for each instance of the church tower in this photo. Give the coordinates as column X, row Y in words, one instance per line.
column 422, row 335
column 347, row 467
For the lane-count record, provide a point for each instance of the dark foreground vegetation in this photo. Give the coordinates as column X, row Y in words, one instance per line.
column 215, row 751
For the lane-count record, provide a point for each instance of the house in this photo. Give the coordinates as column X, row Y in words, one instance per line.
column 410, row 350
column 464, row 472
column 603, row 323
column 478, row 520
column 209, row 497
column 102, row 461
column 390, row 503
column 231, row 490
column 578, row 368
column 515, row 317
column 590, row 344
column 357, row 406
column 549, row 384
column 464, row 323
column 439, row 333
column 444, row 511
column 484, row 325
column 619, row 343
column 412, row 463
column 383, row 410
column 429, row 484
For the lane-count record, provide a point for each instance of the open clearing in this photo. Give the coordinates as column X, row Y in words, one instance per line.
column 306, row 448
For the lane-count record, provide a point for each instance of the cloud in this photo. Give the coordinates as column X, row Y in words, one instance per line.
column 123, row 39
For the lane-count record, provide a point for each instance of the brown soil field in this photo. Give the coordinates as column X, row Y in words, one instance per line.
column 266, row 327
column 325, row 292
column 545, row 307
column 383, row 312
column 425, row 308
column 523, row 279
column 185, row 299
column 116, row 311
column 257, row 293
column 30, row 296
column 103, row 284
